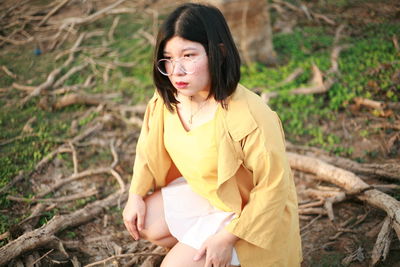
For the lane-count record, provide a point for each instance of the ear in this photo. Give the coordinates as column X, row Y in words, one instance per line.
column 223, row 49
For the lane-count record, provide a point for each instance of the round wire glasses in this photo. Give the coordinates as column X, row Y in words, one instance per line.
column 185, row 64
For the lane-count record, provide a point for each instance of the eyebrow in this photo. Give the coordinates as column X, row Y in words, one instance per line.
column 183, row 50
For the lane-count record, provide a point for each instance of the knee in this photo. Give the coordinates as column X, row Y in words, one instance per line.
column 151, row 235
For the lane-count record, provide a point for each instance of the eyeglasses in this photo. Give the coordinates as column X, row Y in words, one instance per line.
column 186, row 64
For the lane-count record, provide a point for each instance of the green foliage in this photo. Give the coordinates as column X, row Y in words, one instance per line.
column 366, row 67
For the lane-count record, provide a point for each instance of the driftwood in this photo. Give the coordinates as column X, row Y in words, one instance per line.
column 388, row 170
column 45, row 234
column 352, row 185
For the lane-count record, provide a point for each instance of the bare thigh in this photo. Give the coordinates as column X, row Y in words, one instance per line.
column 155, row 228
column 181, row 255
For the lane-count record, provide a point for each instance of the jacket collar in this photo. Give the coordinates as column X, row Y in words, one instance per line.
column 239, row 120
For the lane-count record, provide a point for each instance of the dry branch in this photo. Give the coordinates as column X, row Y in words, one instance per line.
column 45, row 234
column 348, row 181
column 63, row 148
column 44, row 86
column 112, row 29
column 91, row 18
column 71, row 72
column 25, row 88
column 130, row 255
column 88, row 193
column 396, row 43
column 387, row 170
column 77, row 98
column 52, row 12
column 382, row 245
column 74, row 49
column 9, row 72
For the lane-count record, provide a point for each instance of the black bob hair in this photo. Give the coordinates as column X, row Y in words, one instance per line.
column 206, row 25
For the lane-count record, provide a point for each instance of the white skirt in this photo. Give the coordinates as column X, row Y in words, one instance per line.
column 191, row 218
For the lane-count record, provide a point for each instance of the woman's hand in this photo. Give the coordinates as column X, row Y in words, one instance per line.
column 134, row 214
column 217, row 249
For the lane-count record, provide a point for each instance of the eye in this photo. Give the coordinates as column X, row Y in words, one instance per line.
column 166, row 57
column 189, row 55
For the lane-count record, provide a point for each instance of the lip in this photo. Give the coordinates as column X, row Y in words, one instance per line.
column 181, row 85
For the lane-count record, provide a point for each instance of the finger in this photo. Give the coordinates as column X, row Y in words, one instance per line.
column 132, row 229
column 140, row 220
column 200, row 253
column 208, row 262
column 129, row 228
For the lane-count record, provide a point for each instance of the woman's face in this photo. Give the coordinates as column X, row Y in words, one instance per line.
column 190, row 74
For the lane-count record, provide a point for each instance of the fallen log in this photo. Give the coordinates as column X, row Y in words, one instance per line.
column 347, row 180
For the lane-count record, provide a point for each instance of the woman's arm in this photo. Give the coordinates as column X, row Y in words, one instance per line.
column 272, row 202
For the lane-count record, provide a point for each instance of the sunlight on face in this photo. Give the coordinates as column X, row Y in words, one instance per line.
column 195, row 78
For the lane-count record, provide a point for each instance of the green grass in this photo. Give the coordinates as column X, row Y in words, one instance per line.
column 369, row 61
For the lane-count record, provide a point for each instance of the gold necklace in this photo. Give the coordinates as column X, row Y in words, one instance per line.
column 202, row 105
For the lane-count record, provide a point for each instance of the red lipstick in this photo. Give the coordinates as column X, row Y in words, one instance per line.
column 181, row 85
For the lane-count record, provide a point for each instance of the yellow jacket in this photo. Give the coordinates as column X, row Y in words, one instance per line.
column 254, row 177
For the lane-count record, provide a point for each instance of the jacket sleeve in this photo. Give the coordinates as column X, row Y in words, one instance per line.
column 262, row 219
column 142, row 179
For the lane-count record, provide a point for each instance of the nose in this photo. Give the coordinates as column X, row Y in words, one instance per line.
column 178, row 69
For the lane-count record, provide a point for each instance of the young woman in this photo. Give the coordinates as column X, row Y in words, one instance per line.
column 213, row 156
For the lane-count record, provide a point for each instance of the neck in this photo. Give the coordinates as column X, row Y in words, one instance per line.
column 197, row 99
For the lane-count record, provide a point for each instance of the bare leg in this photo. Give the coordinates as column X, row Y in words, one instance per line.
column 181, row 255
column 155, row 228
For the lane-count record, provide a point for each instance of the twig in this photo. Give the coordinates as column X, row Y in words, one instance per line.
column 25, row 88
column 48, row 157
column 124, row 256
column 319, row 211
column 112, row 29
column 396, row 43
column 71, row 72
column 74, row 49
column 16, row 179
column 73, row 177
column 4, row 235
column 77, row 98
column 44, row 86
column 310, row 223
column 369, row 103
column 312, row 204
column 44, row 255
column 85, row 194
column 74, row 157
column 329, row 204
column 382, row 245
column 16, row 42
column 16, row 138
column 93, row 17
column 8, row 72
column 52, row 12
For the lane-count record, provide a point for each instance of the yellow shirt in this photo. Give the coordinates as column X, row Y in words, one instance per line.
column 254, row 177
column 194, row 153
